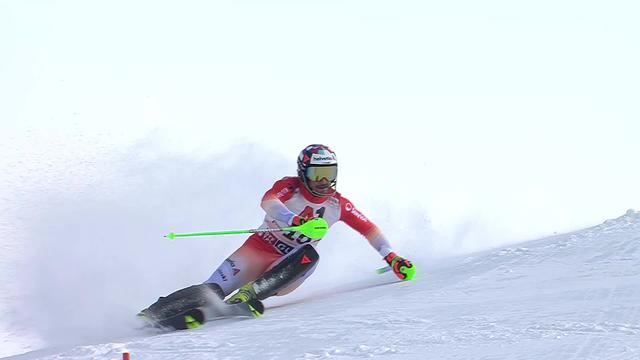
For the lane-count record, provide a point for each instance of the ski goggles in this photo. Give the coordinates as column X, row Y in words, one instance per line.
column 317, row 173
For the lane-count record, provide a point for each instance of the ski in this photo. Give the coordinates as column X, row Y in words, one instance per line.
column 194, row 318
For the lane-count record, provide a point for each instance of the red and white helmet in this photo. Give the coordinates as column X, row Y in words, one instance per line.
column 317, row 162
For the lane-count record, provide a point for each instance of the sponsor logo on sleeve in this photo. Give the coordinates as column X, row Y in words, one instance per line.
column 282, row 192
column 348, row 207
column 351, row 209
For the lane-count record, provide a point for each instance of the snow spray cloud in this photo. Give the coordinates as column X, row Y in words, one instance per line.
column 97, row 255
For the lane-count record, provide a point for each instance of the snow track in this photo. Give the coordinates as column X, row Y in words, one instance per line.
column 571, row 296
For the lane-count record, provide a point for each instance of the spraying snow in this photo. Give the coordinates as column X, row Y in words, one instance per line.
column 568, row 296
column 91, row 255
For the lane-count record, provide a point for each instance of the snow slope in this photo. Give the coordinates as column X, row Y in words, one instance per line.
column 570, row 296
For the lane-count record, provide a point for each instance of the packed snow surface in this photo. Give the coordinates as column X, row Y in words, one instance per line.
column 569, row 296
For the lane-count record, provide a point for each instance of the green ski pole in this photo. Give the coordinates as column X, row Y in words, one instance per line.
column 314, row 229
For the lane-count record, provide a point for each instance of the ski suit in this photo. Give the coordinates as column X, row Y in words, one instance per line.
column 262, row 251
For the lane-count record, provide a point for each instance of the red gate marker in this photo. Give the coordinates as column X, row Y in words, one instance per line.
column 125, row 356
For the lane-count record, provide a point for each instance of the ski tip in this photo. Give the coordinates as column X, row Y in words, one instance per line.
column 170, row 236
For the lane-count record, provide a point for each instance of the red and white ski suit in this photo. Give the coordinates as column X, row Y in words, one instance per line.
column 261, row 251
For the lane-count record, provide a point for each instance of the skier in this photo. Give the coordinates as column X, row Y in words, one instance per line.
column 275, row 263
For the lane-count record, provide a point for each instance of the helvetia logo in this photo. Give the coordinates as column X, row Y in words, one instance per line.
column 323, row 159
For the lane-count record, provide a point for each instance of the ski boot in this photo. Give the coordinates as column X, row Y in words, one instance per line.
column 246, row 294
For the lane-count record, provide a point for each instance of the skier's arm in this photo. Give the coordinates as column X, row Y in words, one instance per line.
column 273, row 200
column 402, row 267
column 357, row 221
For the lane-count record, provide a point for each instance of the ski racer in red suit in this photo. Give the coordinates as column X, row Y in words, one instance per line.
column 275, row 263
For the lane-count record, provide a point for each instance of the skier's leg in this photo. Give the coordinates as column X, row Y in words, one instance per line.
column 191, row 297
column 285, row 273
column 244, row 265
column 247, row 263
column 295, row 284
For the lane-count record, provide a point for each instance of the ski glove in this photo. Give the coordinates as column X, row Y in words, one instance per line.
column 402, row 267
column 297, row 220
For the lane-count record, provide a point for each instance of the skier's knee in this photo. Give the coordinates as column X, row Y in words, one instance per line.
column 307, row 254
column 292, row 268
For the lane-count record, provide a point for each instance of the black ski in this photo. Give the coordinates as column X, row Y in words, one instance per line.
column 194, row 318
